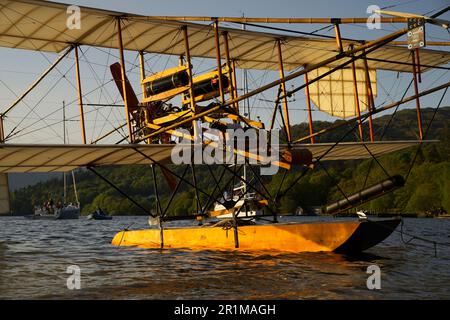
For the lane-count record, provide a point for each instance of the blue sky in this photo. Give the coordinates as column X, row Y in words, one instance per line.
column 18, row 68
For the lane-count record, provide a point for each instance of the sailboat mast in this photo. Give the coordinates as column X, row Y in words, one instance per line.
column 64, row 139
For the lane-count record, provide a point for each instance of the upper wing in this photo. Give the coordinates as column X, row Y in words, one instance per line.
column 42, row 25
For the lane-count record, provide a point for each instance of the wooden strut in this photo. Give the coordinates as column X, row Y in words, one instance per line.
column 419, row 73
column 416, row 91
column 80, row 96
column 370, row 100
column 429, row 43
column 337, row 31
column 236, row 213
column 236, row 94
column 356, row 97
column 373, row 45
column 283, row 90
column 277, row 20
column 191, row 82
column 124, row 85
column 231, row 70
column 2, row 131
column 308, row 106
column 235, row 227
column 158, row 207
column 181, row 64
column 142, row 73
column 219, row 61
column 142, row 68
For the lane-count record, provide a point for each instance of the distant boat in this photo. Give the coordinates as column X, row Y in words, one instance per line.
column 61, row 211
column 68, row 211
column 440, row 213
column 99, row 215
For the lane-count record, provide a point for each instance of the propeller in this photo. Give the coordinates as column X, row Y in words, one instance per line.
column 116, row 71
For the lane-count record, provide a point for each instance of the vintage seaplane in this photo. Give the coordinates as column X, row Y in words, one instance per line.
column 179, row 105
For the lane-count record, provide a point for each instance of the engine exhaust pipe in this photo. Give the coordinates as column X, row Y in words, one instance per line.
column 367, row 194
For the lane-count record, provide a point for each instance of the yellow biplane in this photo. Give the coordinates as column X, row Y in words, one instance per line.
column 340, row 79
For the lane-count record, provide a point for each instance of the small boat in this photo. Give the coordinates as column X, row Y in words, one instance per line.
column 66, row 212
column 62, row 210
column 70, row 211
column 99, row 215
column 439, row 213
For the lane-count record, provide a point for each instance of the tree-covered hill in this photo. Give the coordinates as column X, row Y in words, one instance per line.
column 427, row 187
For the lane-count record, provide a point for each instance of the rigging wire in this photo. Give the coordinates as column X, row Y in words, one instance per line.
column 296, row 31
column 400, row 4
column 425, row 134
column 75, row 100
column 386, row 127
column 63, row 75
column 97, row 79
column 101, row 92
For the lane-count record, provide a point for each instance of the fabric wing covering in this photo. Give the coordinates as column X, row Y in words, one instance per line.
column 61, row 158
column 335, row 94
column 357, row 150
column 42, row 26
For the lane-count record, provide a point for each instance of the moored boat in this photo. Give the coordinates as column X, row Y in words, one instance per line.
column 66, row 212
column 99, row 215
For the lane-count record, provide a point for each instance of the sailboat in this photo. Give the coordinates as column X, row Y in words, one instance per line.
column 64, row 210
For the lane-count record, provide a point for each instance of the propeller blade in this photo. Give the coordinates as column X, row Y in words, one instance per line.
column 116, row 71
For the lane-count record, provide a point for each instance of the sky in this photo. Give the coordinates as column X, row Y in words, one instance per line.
column 38, row 118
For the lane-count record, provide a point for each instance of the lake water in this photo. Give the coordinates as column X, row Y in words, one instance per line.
column 34, row 256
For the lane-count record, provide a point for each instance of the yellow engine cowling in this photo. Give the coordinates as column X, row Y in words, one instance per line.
column 206, row 86
column 166, row 84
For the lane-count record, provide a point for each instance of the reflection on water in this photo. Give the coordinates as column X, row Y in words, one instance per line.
column 34, row 256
